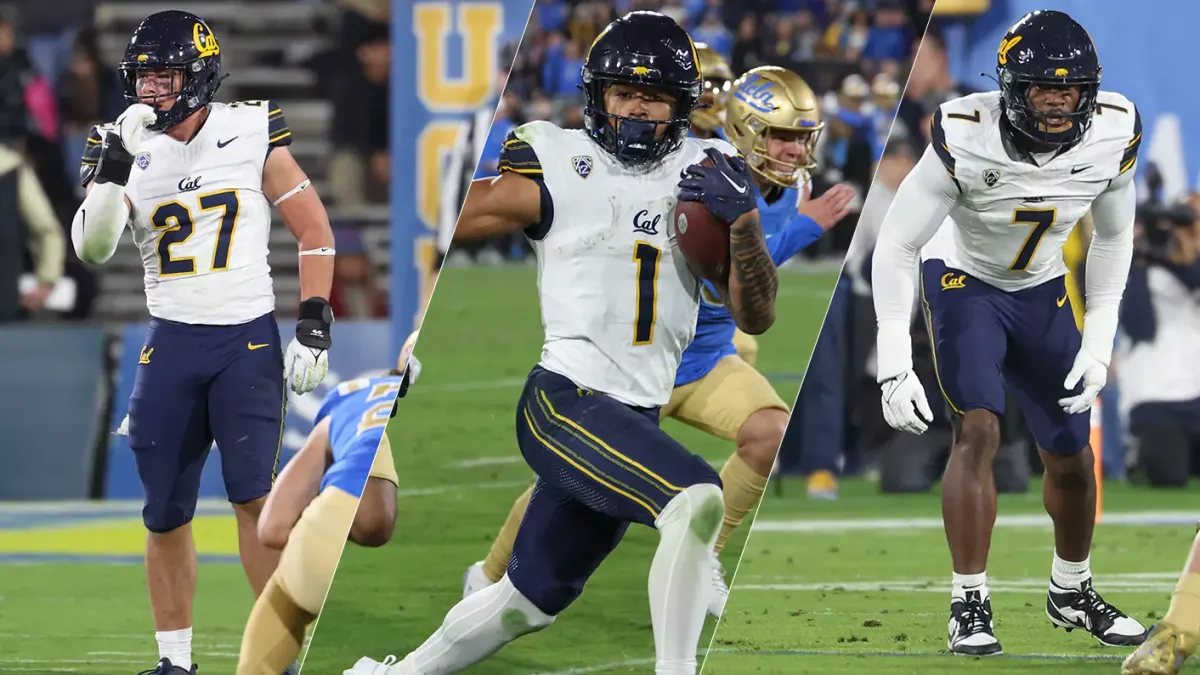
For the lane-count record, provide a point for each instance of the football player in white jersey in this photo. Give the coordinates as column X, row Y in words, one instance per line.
column 619, row 305
column 1014, row 170
column 195, row 181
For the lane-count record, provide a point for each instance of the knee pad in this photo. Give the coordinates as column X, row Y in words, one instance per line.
column 701, row 507
column 165, row 516
column 310, row 559
column 518, row 616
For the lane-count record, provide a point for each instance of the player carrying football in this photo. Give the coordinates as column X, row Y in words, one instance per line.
column 774, row 121
column 619, row 305
column 195, row 181
column 1015, row 170
column 336, row 487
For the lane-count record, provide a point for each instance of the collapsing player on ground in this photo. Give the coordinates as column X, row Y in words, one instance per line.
column 195, row 181
column 337, row 486
column 774, row 121
column 1014, row 170
column 619, row 305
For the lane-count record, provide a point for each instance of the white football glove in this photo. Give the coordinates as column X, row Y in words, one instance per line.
column 1094, row 374
column 131, row 125
column 305, row 367
column 905, row 407
column 123, row 429
column 408, row 360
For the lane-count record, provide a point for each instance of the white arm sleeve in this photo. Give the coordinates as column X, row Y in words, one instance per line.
column 98, row 223
column 1108, row 259
column 922, row 203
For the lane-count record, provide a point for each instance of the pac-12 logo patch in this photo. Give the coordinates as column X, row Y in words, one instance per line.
column 583, row 165
column 142, row 160
column 991, row 177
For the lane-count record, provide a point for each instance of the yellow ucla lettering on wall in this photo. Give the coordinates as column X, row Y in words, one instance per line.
column 479, row 25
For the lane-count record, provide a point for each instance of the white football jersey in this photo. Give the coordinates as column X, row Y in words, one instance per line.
column 1013, row 217
column 619, row 303
column 199, row 217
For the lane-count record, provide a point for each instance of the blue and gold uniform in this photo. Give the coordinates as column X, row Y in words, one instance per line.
column 358, row 411
column 713, row 392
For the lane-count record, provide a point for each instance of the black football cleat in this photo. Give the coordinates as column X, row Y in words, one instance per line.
column 165, row 667
column 1083, row 608
column 971, row 626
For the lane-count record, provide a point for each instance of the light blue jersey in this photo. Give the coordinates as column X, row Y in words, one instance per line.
column 358, row 410
column 787, row 234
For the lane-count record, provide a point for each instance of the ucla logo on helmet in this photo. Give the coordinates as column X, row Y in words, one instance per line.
column 583, row 165
column 142, row 160
column 757, row 92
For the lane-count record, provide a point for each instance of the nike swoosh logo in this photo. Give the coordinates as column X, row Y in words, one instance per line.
column 1077, row 169
column 1062, row 301
column 740, row 188
column 251, row 346
column 221, row 144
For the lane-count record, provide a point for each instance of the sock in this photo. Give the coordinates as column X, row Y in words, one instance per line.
column 176, row 645
column 969, row 582
column 474, row 629
column 1185, row 604
column 274, row 633
column 743, row 488
column 496, row 562
column 680, row 577
column 1067, row 574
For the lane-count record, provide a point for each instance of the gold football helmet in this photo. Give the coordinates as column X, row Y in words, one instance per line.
column 767, row 100
column 718, row 77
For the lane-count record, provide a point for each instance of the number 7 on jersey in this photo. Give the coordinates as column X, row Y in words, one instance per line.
column 647, row 257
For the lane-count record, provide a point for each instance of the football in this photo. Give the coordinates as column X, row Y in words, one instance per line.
column 703, row 240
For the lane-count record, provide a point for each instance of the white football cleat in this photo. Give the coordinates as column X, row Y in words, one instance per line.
column 720, row 591
column 368, row 666
column 474, row 580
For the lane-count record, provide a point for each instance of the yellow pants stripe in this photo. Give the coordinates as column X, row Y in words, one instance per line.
column 603, row 448
column 552, row 447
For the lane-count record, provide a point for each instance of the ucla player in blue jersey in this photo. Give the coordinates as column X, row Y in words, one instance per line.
column 341, row 485
column 772, row 117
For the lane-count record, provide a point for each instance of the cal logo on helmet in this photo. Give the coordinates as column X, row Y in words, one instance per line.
column 206, row 42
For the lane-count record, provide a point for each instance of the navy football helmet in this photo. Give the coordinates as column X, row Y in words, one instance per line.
column 174, row 41
column 640, row 48
column 1047, row 49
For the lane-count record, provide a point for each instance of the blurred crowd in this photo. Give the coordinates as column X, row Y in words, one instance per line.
column 55, row 84
column 853, row 53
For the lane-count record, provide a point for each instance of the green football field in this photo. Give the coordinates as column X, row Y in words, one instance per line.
column 460, row 471
column 863, row 584
column 73, row 590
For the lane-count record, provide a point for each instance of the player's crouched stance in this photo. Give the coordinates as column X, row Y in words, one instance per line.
column 1041, row 152
column 195, row 182
column 342, row 484
column 619, row 306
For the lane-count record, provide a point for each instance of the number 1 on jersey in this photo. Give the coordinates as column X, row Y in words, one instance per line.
column 1041, row 220
column 647, row 258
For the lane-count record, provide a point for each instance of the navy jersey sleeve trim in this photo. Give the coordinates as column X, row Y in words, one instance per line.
column 91, row 156
column 1129, row 158
column 941, row 147
column 517, row 156
column 278, row 133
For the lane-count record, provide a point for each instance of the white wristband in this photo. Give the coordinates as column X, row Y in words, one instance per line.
column 290, row 193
